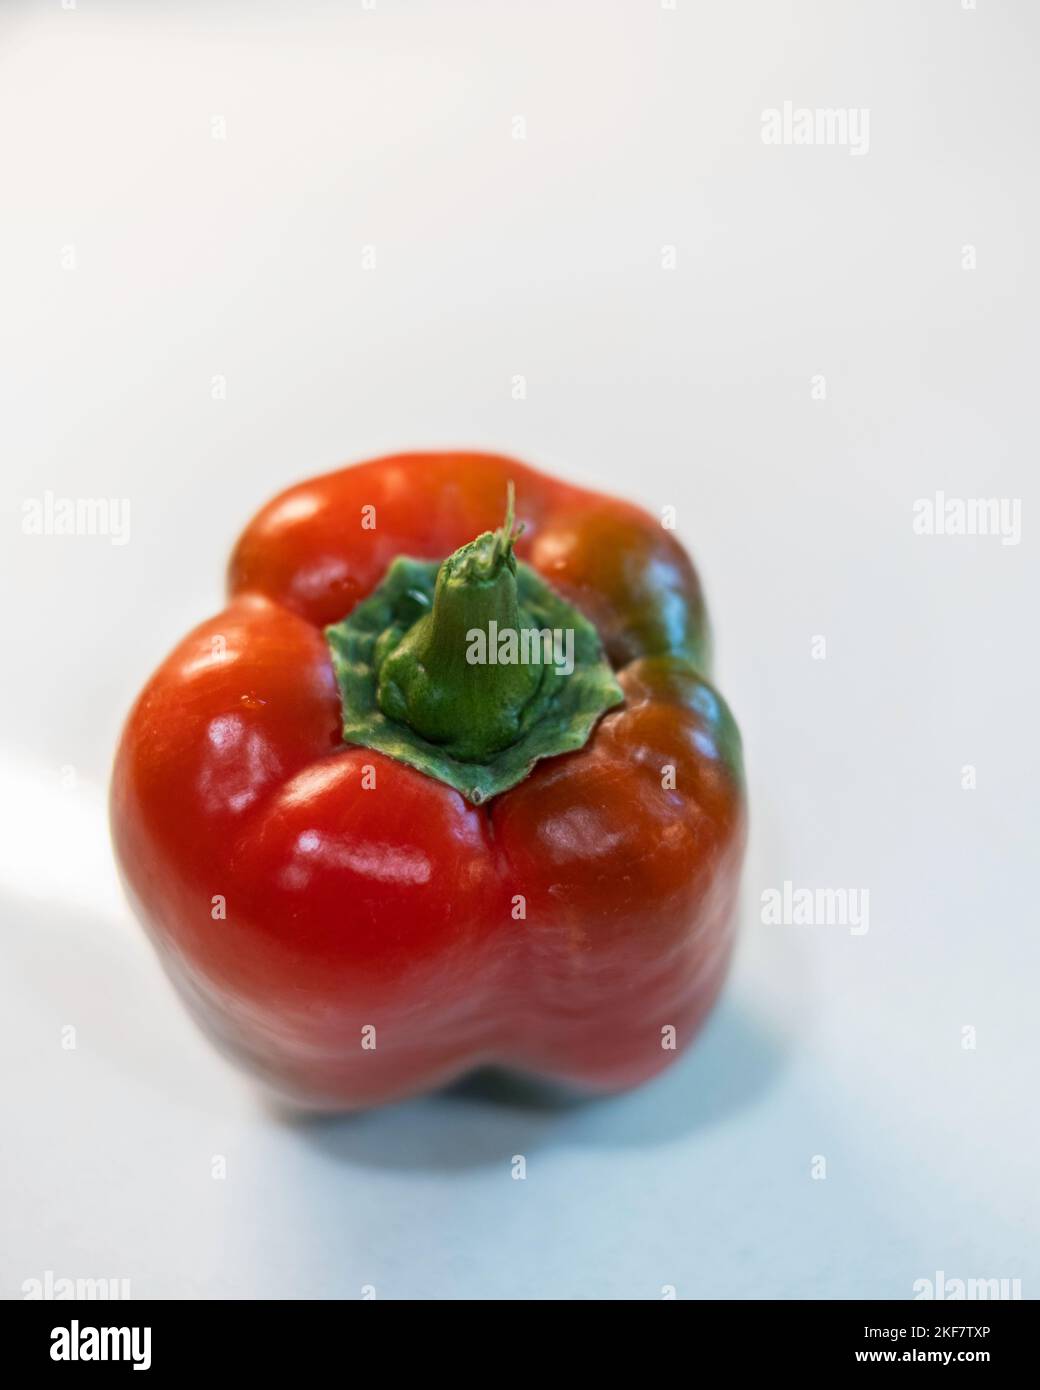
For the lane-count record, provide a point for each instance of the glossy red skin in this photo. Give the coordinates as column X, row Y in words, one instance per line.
column 394, row 906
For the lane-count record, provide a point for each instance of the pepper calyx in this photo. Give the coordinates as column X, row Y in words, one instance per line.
column 470, row 670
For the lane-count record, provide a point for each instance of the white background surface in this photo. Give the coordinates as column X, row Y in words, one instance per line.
column 498, row 257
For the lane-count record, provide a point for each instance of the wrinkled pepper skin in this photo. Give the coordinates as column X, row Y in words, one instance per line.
column 294, row 908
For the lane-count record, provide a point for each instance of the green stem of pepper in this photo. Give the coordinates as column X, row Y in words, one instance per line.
column 423, row 677
column 443, row 679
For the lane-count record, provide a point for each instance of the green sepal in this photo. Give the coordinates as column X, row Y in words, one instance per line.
column 568, row 706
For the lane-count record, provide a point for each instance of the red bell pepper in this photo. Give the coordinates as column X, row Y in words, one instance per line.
column 377, row 846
